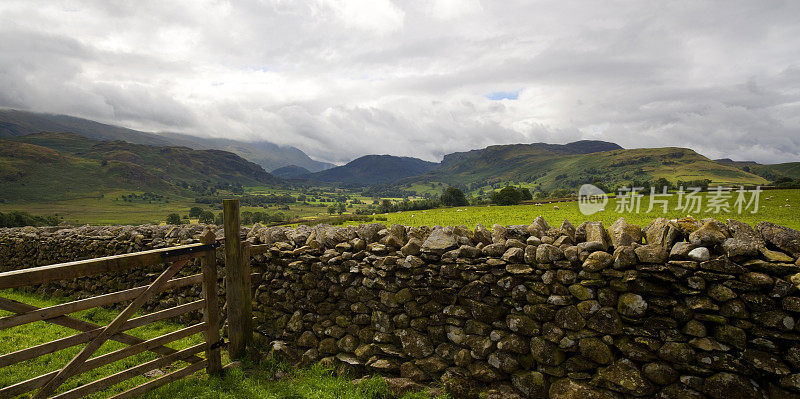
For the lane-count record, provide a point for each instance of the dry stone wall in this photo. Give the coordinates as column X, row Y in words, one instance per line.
column 680, row 308
column 26, row 247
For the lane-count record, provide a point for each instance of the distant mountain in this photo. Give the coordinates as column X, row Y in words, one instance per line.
column 551, row 166
column 45, row 166
column 290, row 172
column 268, row 155
column 19, row 123
column 585, row 146
column 790, row 170
column 374, row 169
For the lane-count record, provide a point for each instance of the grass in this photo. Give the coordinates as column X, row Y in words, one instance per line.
column 32, row 334
column 104, row 209
column 316, row 382
column 772, row 210
column 267, row 379
column 107, row 210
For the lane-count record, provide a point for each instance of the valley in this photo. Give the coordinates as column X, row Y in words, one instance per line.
column 102, row 174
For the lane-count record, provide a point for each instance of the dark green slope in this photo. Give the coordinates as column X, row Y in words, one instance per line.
column 290, row 172
column 374, row 169
column 59, row 166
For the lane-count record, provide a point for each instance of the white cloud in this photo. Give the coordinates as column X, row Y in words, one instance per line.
column 340, row 79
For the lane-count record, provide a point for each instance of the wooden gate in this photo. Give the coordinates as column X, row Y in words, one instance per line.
column 94, row 335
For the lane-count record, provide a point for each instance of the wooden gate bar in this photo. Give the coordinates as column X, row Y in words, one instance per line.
column 74, row 365
column 88, row 303
column 108, row 358
column 153, row 384
column 127, row 374
column 90, row 330
column 77, row 339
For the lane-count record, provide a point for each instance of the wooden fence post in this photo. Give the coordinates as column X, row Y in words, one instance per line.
column 238, row 317
column 211, row 312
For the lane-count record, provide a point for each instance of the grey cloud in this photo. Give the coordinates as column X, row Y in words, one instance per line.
column 721, row 78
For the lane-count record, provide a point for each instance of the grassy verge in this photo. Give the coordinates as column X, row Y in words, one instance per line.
column 269, row 379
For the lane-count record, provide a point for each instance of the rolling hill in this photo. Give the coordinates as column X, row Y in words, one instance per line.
column 568, row 166
column 290, row 172
column 790, row 170
column 54, row 166
column 373, row 169
column 270, row 156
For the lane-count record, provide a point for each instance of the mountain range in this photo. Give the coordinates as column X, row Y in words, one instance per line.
column 549, row 166
column 117, row 157
column 270, row 156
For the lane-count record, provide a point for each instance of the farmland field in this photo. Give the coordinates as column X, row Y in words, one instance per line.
column 773, row 210
column 108, row 209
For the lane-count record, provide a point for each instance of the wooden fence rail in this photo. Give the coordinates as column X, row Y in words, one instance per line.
column 94, row 335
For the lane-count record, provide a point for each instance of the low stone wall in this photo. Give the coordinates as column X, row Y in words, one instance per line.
column 26, row 247
column 678, row 309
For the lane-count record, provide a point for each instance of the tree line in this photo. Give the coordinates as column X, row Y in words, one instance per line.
column 22, row 219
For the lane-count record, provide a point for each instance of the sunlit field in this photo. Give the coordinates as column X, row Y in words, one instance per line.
column 772, row 207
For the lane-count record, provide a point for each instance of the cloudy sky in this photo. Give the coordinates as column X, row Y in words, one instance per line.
column 340, row 79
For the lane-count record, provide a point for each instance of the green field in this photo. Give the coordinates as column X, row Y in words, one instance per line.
column 264, row 379
column 772, row 210
column 108, row 209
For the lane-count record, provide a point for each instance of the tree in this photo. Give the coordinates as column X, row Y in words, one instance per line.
column 452, row 196
column 508, row 195
column 331, row 209
column 206, row 217
column 247, row 218
column 174, row 218
column 385, row 207
column 195, row 211
column 526, row 194
column 341, row 207
column 660, row 183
